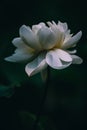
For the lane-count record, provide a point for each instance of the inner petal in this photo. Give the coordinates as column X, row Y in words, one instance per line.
column 29, row 37
column 47, row 38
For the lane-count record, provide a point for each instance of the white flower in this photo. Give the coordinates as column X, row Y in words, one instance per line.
column 45, row 45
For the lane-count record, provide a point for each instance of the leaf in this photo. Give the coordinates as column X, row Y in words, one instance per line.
column 28, row 120
column 6, row 91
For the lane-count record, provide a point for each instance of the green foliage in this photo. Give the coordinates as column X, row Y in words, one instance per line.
column 6, row 91
column 28, row 119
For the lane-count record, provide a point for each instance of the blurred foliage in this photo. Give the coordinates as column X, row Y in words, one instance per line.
column 28, row 120
column 66, row 104
column 6, row 91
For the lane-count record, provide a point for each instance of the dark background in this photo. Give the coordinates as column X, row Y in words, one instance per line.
column 20, row 96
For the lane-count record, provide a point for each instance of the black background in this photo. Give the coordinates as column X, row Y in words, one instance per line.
column 69, row 86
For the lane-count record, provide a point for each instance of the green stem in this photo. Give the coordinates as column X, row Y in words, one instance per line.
column 35, row 126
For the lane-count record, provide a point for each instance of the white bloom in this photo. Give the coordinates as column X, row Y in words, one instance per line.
column 45, row 45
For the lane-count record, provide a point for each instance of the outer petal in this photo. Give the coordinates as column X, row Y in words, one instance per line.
column 29, row 37
column 36, row 65
column 54, row 61
column 71, row 52
column 76, row 59
column 20, row 57
column 47, row 38
column 63, row 55
column 18, row 42
column 72, row 41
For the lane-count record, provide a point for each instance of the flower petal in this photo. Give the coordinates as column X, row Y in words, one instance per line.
column 36, row 28
column 71, row 52
column 59, row 35
column 36, row 65
column 72, row 41
column 18, row 42
column 47, row 38
column 63, row 55
column 20, row 56
column 68, row 36
column 53, row 60
column 76, row 59
column 62, row 26
column 29, row 37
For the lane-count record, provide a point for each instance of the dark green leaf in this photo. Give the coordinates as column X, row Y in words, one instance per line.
column 6, row 91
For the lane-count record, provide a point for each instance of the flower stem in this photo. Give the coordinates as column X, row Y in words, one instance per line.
column 35, row 126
